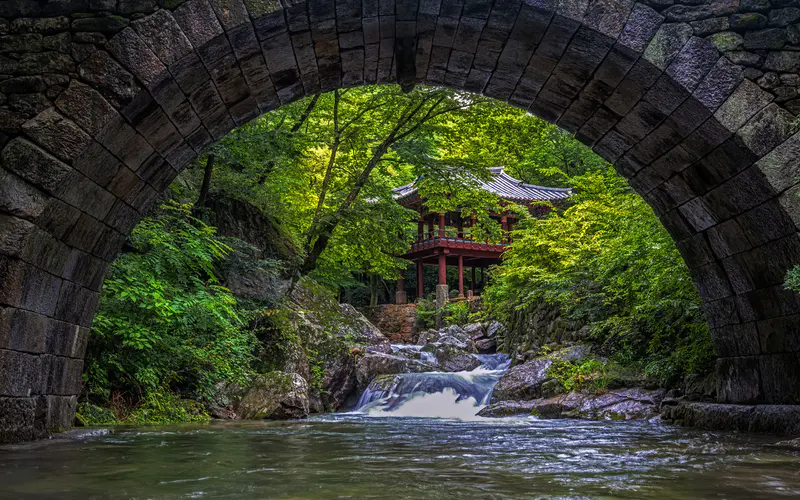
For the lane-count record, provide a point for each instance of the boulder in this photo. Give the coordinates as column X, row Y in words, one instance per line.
column 358, row 328
column 629, row 404
column 544, row 408
column 374, row 364
column 339, row 381
column 428, row 337
column 577, row 352
column 453, row 359
column 274, row 395
column 522, row 382
column 486, row 346
column 697, row 388
column 475, row 330
column 493, row 328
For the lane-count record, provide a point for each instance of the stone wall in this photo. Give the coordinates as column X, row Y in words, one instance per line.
column 103, row 103
column 540, row 325
column 763, row 36
column 396, row 321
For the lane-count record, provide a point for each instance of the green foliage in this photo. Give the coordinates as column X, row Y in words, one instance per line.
column 164, row 407
column 89, row 415
column 793, row 279
column 607, row 261
column 457, row 313
column 426, row 314
column 163, row 319
column 579, row 375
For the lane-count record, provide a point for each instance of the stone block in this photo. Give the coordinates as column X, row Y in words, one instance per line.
column 183, row 153
column 58, row 135
column 780, row 379
column 136, row 57
column 163, row 36
column 58, row 218
column 189, row 73
column 22, row 330
column 766, row 222
column 747, row 100
column 778, row 335
column 738, row 380
column 85, row 233
column 45, row 252
column 771, row 302
column 109, row 244
column 86, row 107
column 85, row 270
column 767, row 129
column 76, row 305
column 641, row 76
column 740, row 193
column 21, row 376
column 81, row 192
column 122, row 217
column 17, row 416
column 109, row 78
column 728, row 238
column 126, row 144
column 35, row 165
column 666, row 44
column 20, row 198
column 14, row 233
column 736, row 340
column 198, row 22
column 556, row 38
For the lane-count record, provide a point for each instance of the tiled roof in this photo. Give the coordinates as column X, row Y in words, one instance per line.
column 505, row 187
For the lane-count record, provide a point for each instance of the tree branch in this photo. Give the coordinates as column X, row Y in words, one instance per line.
column 306, row 113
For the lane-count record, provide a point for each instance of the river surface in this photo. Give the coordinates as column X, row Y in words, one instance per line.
column 415, row 438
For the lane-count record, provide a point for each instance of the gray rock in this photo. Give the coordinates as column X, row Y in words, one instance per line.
column 748, row 21
column 522, row 382
column 275, row 395
column 374, row 364
column 453, row 359
column 339, row 381
column 486, row 346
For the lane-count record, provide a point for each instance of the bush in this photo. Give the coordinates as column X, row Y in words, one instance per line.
column 164, row 407
column 457, row 313
column 574, row 376
column 89, row 415
column 164, row 321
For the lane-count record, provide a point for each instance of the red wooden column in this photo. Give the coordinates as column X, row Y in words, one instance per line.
column 420, row 280
column 504, row 221
column 421, row 229
column 441, row 226
column 430, row 228
column 460, row 275
column 442, row 269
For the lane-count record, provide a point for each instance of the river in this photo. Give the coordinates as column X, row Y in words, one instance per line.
column 382, row 451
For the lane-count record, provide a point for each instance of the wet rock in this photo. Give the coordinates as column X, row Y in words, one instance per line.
column 697, row 388
column 628, row 404
column 428, row 337
column 374, row 364
column 359, row 328
column 339, row 381
column 275, row 395
column 454, row 359
column 486, row 346
column 522, row 382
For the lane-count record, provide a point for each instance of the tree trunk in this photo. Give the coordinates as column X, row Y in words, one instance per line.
column 201, row 200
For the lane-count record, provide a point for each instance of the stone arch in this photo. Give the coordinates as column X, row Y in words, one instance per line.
column 104, row 102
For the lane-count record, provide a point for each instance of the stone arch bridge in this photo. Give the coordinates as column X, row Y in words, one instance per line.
column 103, row 103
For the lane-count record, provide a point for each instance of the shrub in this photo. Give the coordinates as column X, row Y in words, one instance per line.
column 164, row 320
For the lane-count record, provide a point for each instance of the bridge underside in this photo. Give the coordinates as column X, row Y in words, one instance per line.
column 99, row 112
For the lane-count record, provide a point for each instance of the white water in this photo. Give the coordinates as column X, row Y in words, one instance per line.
column 426, row 356
column 457, row 395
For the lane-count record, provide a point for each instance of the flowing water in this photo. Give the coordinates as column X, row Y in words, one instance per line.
column 428, row 444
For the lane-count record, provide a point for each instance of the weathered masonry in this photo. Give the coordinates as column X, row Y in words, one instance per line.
column 103, row 102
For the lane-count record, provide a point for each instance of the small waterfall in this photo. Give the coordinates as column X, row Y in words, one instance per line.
column 458, row 395
column 426, row 356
